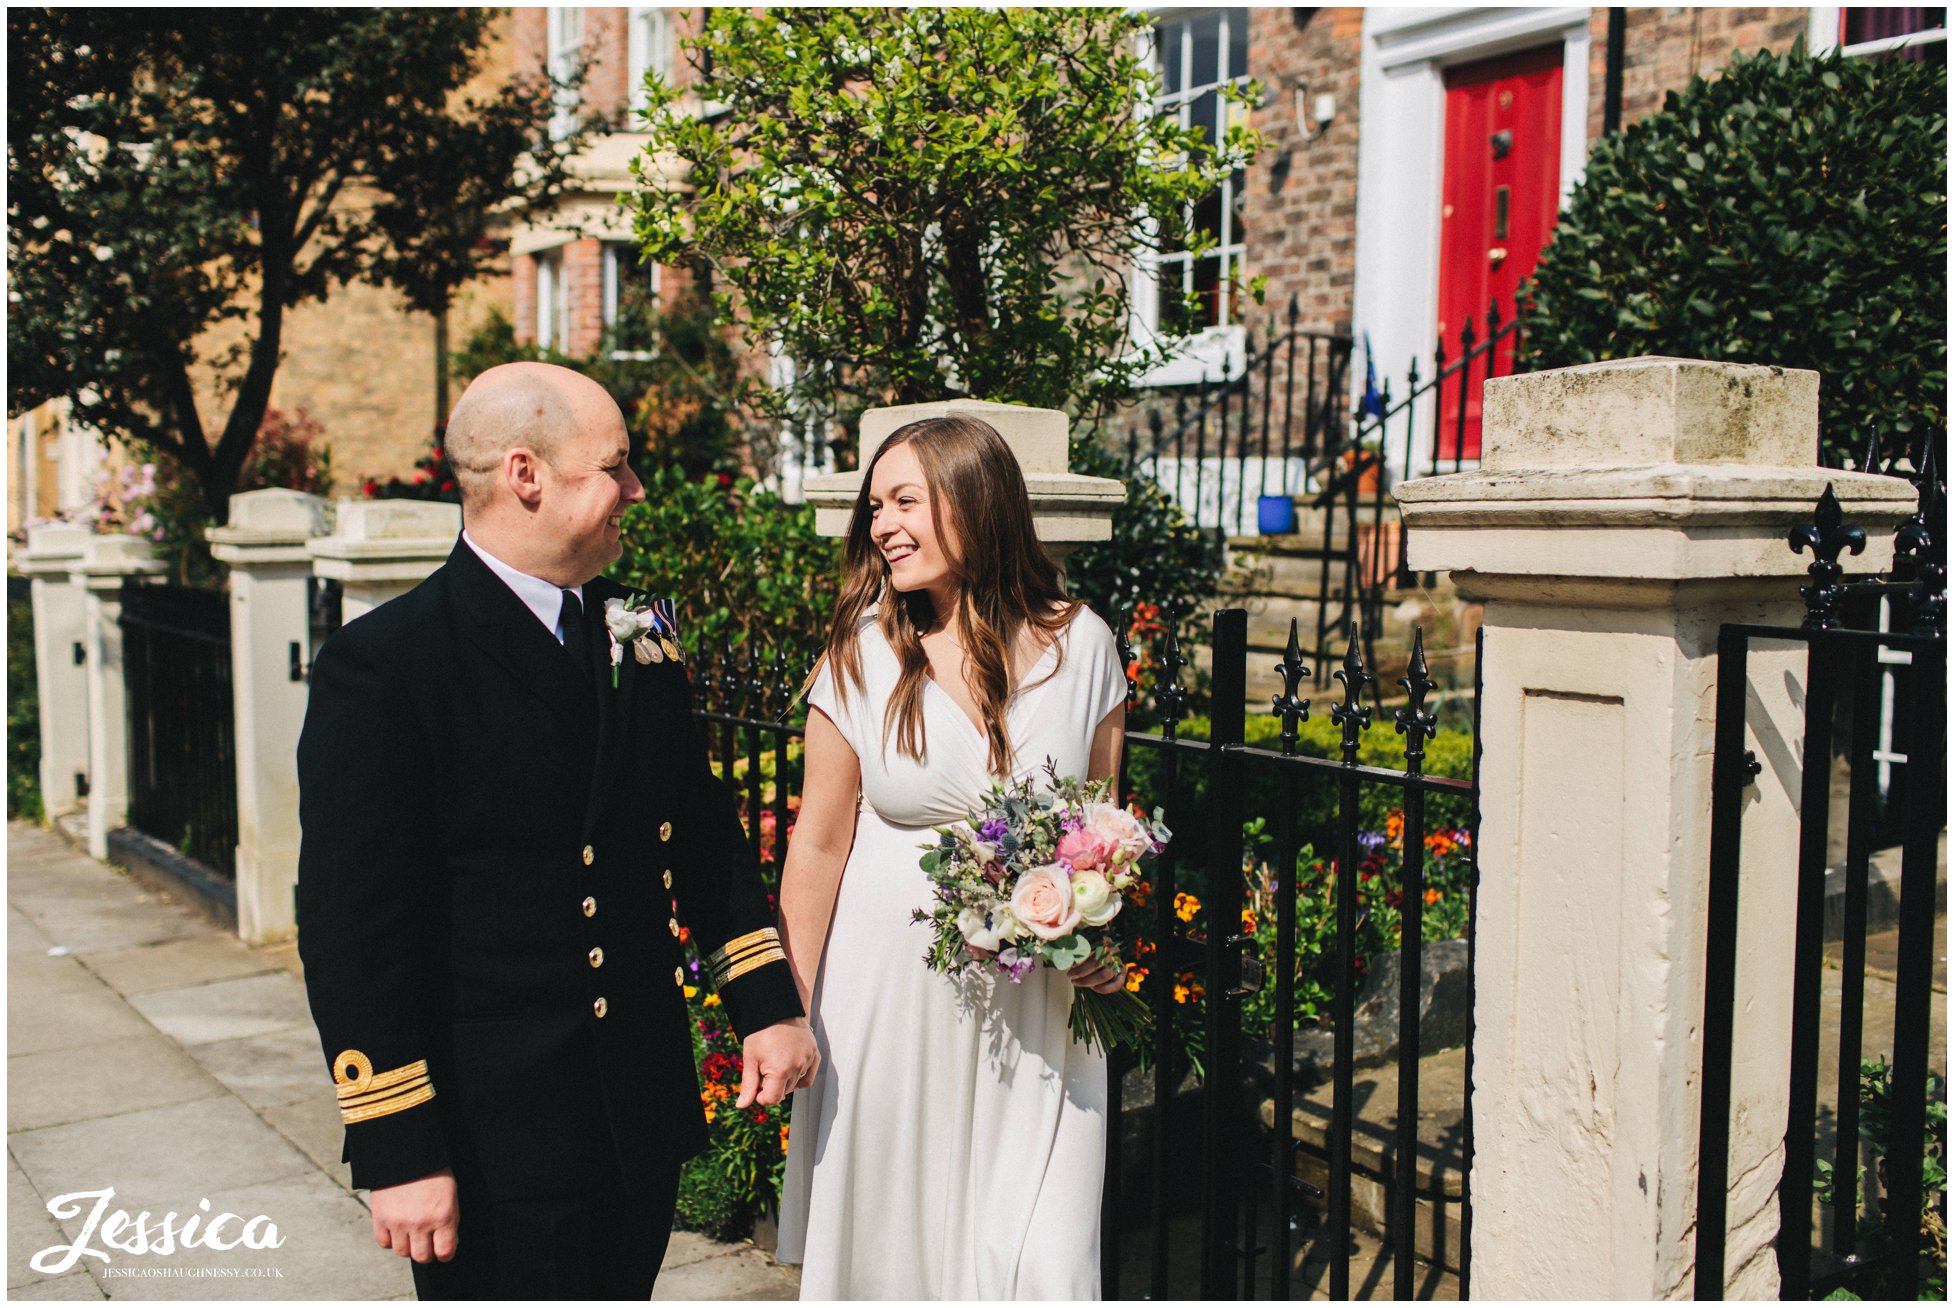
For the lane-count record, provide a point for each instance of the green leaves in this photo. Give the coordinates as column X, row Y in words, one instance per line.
column 1790, row 212
column 925, row 202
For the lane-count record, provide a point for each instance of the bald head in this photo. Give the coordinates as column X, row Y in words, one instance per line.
column 537, row 406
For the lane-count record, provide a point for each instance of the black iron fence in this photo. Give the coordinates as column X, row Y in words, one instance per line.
column 176, row 667
column 1882, row 1219
column 1199, row 1188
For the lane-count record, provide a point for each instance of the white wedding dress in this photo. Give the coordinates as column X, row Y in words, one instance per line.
column 953, row 1146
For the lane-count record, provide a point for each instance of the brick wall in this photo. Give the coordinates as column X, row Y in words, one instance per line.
column 1664, row 47
column 524, row 299
column 1302, row 194
column 583, row 275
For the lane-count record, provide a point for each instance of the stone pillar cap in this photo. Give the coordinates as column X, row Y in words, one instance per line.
column 1651, row 410
column 375, row 520
column 1037, row 436
column 273, row 512
column 385, row 540
column 118, row 556
column 52, row 547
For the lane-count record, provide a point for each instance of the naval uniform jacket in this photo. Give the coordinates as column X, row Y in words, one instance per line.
column 498, row 851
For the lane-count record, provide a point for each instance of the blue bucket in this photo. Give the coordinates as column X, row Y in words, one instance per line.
column 1275, row 515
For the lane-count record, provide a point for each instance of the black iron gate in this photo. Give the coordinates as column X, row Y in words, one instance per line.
column 1867, row 641
column 1198, row 1190
column 176, row 667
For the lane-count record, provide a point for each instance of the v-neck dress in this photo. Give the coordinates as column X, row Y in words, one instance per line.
column 953, row 1145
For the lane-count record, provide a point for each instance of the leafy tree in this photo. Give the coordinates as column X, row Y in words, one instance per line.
column 1792, row 211
column 920, row 203
column 174, row 171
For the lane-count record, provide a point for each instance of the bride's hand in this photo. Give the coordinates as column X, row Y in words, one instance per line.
column 1101, row 973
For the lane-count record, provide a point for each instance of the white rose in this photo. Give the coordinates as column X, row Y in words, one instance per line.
column 623, row 624
column 1094, row 898
column 977, row 932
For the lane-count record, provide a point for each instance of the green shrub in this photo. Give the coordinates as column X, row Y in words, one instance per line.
column 23, row 715
column 747, row 570
column 1793, row 212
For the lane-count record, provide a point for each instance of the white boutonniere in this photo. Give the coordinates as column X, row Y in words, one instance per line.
column 649, row 627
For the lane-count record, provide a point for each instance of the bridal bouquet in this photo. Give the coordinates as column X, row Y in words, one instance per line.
column 1040, row 877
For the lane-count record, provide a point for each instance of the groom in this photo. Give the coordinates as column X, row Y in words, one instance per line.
column 503, row 829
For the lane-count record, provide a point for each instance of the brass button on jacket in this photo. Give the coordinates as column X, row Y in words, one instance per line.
column 678, row 976
column 597, row 957
column 589, row 906
column 668, row 878
column 589, row 856
column 664, row 831
column 601, row 1007
column 674, row 926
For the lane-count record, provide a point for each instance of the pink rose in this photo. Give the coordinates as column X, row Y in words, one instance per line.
column 1084, row 849
column 1118, row 830
column 1043, row 902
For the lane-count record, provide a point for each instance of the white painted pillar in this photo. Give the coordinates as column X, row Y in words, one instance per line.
column 100, row 572
column 1622, row 513
column 1067, row 510
column 264, row 544
column 382, row 548
column 60, row 677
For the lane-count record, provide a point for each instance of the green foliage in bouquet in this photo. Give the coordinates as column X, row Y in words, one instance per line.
column 1792, row 211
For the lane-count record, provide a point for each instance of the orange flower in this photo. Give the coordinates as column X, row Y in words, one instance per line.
column 1135, row 976
column 1432, row 896
column 1394, row 826
column 783, row 1141
column 1185, row 906
column 1248, row 921
column 1441, row 843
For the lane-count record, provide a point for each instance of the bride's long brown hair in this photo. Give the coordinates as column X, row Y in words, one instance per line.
column 1005, row 580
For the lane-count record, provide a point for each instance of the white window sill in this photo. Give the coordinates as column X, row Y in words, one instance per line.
column 1209, row 355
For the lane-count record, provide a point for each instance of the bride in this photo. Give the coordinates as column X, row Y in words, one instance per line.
column 954, row 1145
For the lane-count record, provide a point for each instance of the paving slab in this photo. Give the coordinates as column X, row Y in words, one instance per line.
column 29, row 1228
column 739, row 1271
column 160, row 1158
column 226, row 1010
column 313, row 1126
column 23, row 937
column 75, row 1285
column 56, row 1003
column 86, row 927
column 169, row 964
column 98, row 1080
column 270, row 1070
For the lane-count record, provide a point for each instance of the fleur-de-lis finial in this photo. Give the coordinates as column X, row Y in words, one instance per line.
column 1414, row 724
column 780, row 686
column 1286, row 705
column 1172, row 696
column 1920, row 551
column 1123, row 641
column 1353, row 715
column 1827, row 536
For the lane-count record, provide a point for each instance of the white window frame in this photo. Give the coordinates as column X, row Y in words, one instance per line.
column 563, row 41
column 552, row 301
column 614, row 251
column 650, row 41
column 1827, row 26
column 1219, row 351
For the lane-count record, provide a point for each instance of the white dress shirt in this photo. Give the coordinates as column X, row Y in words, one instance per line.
column 543, row 598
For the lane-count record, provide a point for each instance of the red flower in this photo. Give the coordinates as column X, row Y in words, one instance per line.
column 760, row 1115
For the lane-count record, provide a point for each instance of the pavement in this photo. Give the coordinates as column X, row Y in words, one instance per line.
column 156, row 1065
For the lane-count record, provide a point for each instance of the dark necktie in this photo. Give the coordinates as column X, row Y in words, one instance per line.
column 576, row 636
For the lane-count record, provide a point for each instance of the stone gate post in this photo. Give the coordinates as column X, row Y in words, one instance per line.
column 105, row 562
column 1622, row 512
column 60, row 668
column 382, row 548
column 264, row 544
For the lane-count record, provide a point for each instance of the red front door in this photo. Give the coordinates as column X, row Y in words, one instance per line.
column 1502, row 191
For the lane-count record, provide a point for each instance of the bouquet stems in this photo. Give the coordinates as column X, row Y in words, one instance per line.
column 1121, row 1018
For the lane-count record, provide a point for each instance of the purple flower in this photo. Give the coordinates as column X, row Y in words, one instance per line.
column 1370, row 839
column 993, row 831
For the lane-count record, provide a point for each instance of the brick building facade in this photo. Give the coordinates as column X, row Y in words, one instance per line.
column 1345, row 213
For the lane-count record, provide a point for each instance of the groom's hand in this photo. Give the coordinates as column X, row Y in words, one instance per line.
column 418, row 1219
column 778, row 1060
